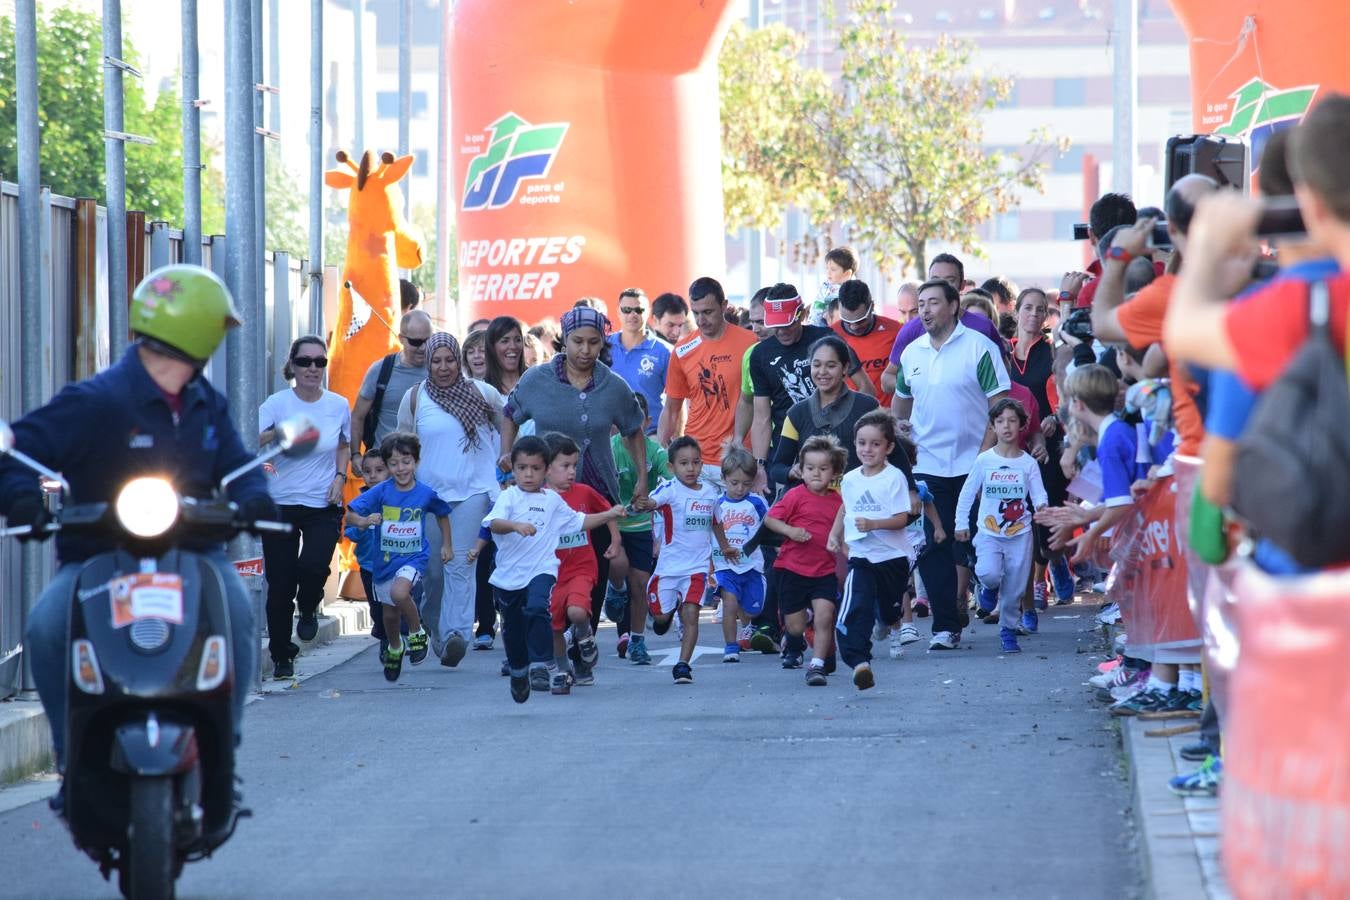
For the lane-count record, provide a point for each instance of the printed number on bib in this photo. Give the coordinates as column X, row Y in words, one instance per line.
column 399, row 538
column 137, row 597
column 574, row 540
column 698, row 514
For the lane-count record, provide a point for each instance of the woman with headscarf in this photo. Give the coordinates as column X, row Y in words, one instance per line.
column 578, row 395
column 457, row 420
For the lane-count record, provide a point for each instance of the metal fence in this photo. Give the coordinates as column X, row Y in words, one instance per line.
column 75, row 336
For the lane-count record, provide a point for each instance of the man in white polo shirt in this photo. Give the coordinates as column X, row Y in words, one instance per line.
column 948, row 379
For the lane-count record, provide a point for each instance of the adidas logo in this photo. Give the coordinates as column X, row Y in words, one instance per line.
column 867, row 504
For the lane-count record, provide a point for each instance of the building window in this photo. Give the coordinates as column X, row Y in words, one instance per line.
column 1068, row 163
column 1064, row 222
column 386, row 104
column 1070, row 91
column 1007, row 226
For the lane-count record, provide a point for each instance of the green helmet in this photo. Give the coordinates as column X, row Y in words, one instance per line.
column 185, row 307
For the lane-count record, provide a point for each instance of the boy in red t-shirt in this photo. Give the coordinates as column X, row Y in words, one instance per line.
column 570, row 602
column 808, row 576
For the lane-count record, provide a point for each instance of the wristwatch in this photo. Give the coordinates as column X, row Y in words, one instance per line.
column 1119, row 253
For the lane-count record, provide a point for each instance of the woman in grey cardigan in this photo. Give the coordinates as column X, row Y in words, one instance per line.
column 579, row 396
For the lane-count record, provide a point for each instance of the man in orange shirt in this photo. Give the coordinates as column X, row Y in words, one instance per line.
column 705, row 372
column 1139, row 321
column 871, row 336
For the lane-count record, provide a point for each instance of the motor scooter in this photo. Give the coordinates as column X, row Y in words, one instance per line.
column 149, row 772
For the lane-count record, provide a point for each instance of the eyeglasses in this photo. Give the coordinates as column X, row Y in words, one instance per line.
column 412, row 341
column 304, row 362
column 631, row 309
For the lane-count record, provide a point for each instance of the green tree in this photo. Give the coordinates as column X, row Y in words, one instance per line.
column 70, row 116
column 287, row 209
column 906, row 143
column 773, row 152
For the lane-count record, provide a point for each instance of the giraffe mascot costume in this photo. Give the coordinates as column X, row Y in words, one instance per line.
column 379, row 242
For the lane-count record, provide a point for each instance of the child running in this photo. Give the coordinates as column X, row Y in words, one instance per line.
column 1004, row 478
column 679, row 585
column 527, row 523
column 570, row 602
column 877, row 507
column 807, row 577
column 399, row 505
column 737, row 561
column 367, row 541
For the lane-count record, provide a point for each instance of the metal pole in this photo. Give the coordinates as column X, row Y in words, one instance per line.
column 115, row 176
column 441, row 305
column 242, row 264
column 1125, row 92
column 274, row 63
column 404, row 88
column 359, row 78
column 315, row 166
column 31, row 274
column 754, row 253
column 259, row 183
column 192, row 141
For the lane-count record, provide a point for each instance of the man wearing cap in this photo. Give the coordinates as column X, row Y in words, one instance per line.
column 869, row 335
column 780, row 367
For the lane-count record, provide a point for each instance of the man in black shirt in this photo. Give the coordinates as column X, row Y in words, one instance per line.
column 780, row 367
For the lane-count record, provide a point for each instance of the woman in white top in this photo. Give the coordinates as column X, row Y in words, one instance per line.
column 456, row 418
column 309, row 492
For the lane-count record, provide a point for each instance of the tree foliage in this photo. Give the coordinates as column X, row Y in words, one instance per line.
column 897, row 146
column 70, row 118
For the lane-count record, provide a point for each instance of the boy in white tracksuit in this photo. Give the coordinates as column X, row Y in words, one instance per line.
column 1005, row 478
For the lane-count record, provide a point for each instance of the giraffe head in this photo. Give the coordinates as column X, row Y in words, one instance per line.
column 375, row 199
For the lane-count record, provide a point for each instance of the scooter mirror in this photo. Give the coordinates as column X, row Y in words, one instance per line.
column 297, row 437
column 6, row 437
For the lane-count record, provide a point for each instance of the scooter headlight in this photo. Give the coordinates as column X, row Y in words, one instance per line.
column 147, row 507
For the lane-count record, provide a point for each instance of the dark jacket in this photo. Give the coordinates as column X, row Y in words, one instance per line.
column 798, row 426
column 108, row 429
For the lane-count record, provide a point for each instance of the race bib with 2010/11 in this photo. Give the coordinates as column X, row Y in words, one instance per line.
column 698, row 513
column 400, row 538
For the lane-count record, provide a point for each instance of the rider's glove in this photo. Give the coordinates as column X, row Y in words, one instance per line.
column 260, row 509
column 30, row 510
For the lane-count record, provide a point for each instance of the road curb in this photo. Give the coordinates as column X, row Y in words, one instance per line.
column 25, row 740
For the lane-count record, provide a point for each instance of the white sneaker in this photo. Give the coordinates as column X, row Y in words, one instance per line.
column 908, row 633
column 897, row 645
column 717, row 615
column 879, row 632
column 945, row 640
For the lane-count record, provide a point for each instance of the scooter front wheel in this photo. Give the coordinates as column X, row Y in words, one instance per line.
column 148, row 864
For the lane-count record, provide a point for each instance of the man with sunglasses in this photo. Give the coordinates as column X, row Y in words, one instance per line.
column 637, row 356
column 869, row 335
column 386, row 381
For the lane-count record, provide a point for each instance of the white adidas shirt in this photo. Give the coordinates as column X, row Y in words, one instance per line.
column 878, row 496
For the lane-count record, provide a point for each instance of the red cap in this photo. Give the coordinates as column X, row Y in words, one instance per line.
column 780, row 313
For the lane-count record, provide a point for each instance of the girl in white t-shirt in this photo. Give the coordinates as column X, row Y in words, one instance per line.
column 878, row 505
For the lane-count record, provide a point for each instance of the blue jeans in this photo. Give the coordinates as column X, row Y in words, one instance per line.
column 527, row 629
column 49, row 627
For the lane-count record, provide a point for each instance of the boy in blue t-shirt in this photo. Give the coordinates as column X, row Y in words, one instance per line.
column 374, row 469
column 398, row 506
column 738, row 564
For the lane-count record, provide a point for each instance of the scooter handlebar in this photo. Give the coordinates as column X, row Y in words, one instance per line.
column 274, row 527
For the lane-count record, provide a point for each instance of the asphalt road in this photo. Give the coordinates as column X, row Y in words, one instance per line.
column 962, row 774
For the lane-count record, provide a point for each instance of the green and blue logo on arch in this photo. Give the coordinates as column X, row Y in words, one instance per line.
column 517, row 151
column 1260, row 110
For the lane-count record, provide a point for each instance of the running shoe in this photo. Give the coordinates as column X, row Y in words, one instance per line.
column 561, row 683
column 921, row 607
column 908, row 633
column 285, row 668
column 1008, row 640
column 1180, row 701
column 1196, row 701
column 815, row 676
column 731, row 653
column 622, row 646
column 1031, row 622
column 1143, row 702
column 453, row 652
column 520, row 686
column 683, row 673
column 862, row 677
column 393, row 662
column 987, row 603
column 540, row 679
column 717, row 615
column 1112, row 677
column 763, row 641
column 417, row 646
column 616, row 602
column 483, row 642
column 1109, row 614
column 1203, row 782
column 942, row 640
column 1062, row 578
column 584, row 677
column 588, row 651
column 792, row 660
column 744, row 635
column 637, row 652
column 1128, row 687
column 897, row 645
column 993, row 618
column 307, row 628
column 1038, row 594
column 1198, row 752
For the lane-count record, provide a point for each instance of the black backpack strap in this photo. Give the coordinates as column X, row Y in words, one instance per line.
column 381, row 386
